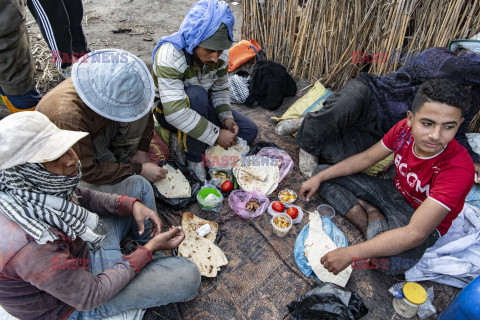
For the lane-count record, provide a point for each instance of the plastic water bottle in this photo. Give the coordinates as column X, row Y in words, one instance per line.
column 466, row 305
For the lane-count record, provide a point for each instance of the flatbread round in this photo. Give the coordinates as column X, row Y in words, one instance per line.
column 175, row 185
column 206, row 255
column 224, row 159
column 317, row 244
column 191, row 223
column 257, row 173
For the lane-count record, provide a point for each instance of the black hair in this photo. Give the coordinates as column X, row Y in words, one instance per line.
column 445, row 91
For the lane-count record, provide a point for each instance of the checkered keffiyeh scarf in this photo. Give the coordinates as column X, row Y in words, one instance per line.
column 38, row 200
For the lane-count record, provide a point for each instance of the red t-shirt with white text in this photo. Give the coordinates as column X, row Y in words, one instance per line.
column 445, row 178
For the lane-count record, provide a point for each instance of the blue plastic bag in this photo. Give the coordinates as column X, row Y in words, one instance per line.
column 337, row 236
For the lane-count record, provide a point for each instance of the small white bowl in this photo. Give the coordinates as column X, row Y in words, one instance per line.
column 281, row 232
column 288, row 202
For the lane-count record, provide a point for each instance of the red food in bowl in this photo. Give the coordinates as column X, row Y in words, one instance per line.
column 278, row 206
column 292, row 212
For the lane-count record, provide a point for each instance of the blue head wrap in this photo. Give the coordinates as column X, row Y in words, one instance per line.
column 201, row 22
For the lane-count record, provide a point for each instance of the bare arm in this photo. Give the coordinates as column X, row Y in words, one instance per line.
column 349, row 166
column 477, row 172
column 425, row 219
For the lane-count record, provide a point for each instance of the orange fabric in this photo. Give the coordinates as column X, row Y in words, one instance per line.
column 241, row 53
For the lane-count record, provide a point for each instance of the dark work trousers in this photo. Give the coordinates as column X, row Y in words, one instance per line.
column 17, row 83
column 61, row 24
column 200, row 102
column 342, row 194
column 344, row 126
column 24, row 102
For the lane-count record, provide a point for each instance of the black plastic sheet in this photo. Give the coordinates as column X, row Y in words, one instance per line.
column 328, row 301
column 260, row 145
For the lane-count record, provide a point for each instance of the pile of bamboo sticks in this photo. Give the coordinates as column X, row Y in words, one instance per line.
column 332, row 41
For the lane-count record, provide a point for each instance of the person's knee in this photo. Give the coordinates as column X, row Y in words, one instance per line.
column 137, row 186
column 251, row 132
column 198, row 98
column 189, row 278
column 396, row 265
column 376, row 227
column 320, row 168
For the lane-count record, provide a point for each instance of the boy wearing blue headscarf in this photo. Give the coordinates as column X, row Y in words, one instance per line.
column 190, row 69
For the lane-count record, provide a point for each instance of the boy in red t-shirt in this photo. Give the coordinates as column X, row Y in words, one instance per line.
column 434, row 174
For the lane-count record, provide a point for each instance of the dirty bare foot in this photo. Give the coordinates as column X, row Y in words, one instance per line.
column 372, row 212
column 359, row 218
column 365, row 205
column 375, row 214
column 288, row 126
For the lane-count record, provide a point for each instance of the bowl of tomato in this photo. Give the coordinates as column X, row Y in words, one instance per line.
column 293, row 211
column 296, row 213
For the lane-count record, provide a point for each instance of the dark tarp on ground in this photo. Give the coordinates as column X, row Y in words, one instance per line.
column 261, row 277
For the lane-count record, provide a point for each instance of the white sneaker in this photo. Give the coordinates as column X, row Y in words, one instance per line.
column 198, row 168
column 176, row 150
column 307, row 163
column 66, row 72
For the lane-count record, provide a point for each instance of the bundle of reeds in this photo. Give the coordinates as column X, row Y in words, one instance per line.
column 331, row 40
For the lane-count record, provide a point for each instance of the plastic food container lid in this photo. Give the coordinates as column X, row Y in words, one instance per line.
column 325, row 210
column 414, row 293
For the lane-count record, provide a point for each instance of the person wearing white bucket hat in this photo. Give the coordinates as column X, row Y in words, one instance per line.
column 110, row 95
column 462, row 46
column 60, row 243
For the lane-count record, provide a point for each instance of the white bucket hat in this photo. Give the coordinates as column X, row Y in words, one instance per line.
column 115, row 84
column 30, row 137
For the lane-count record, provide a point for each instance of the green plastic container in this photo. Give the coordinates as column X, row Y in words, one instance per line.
column 204, row 193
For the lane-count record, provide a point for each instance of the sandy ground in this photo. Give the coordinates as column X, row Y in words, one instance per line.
column 148, row 21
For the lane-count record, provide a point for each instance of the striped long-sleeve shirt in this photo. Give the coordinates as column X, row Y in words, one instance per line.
column 174, row 70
